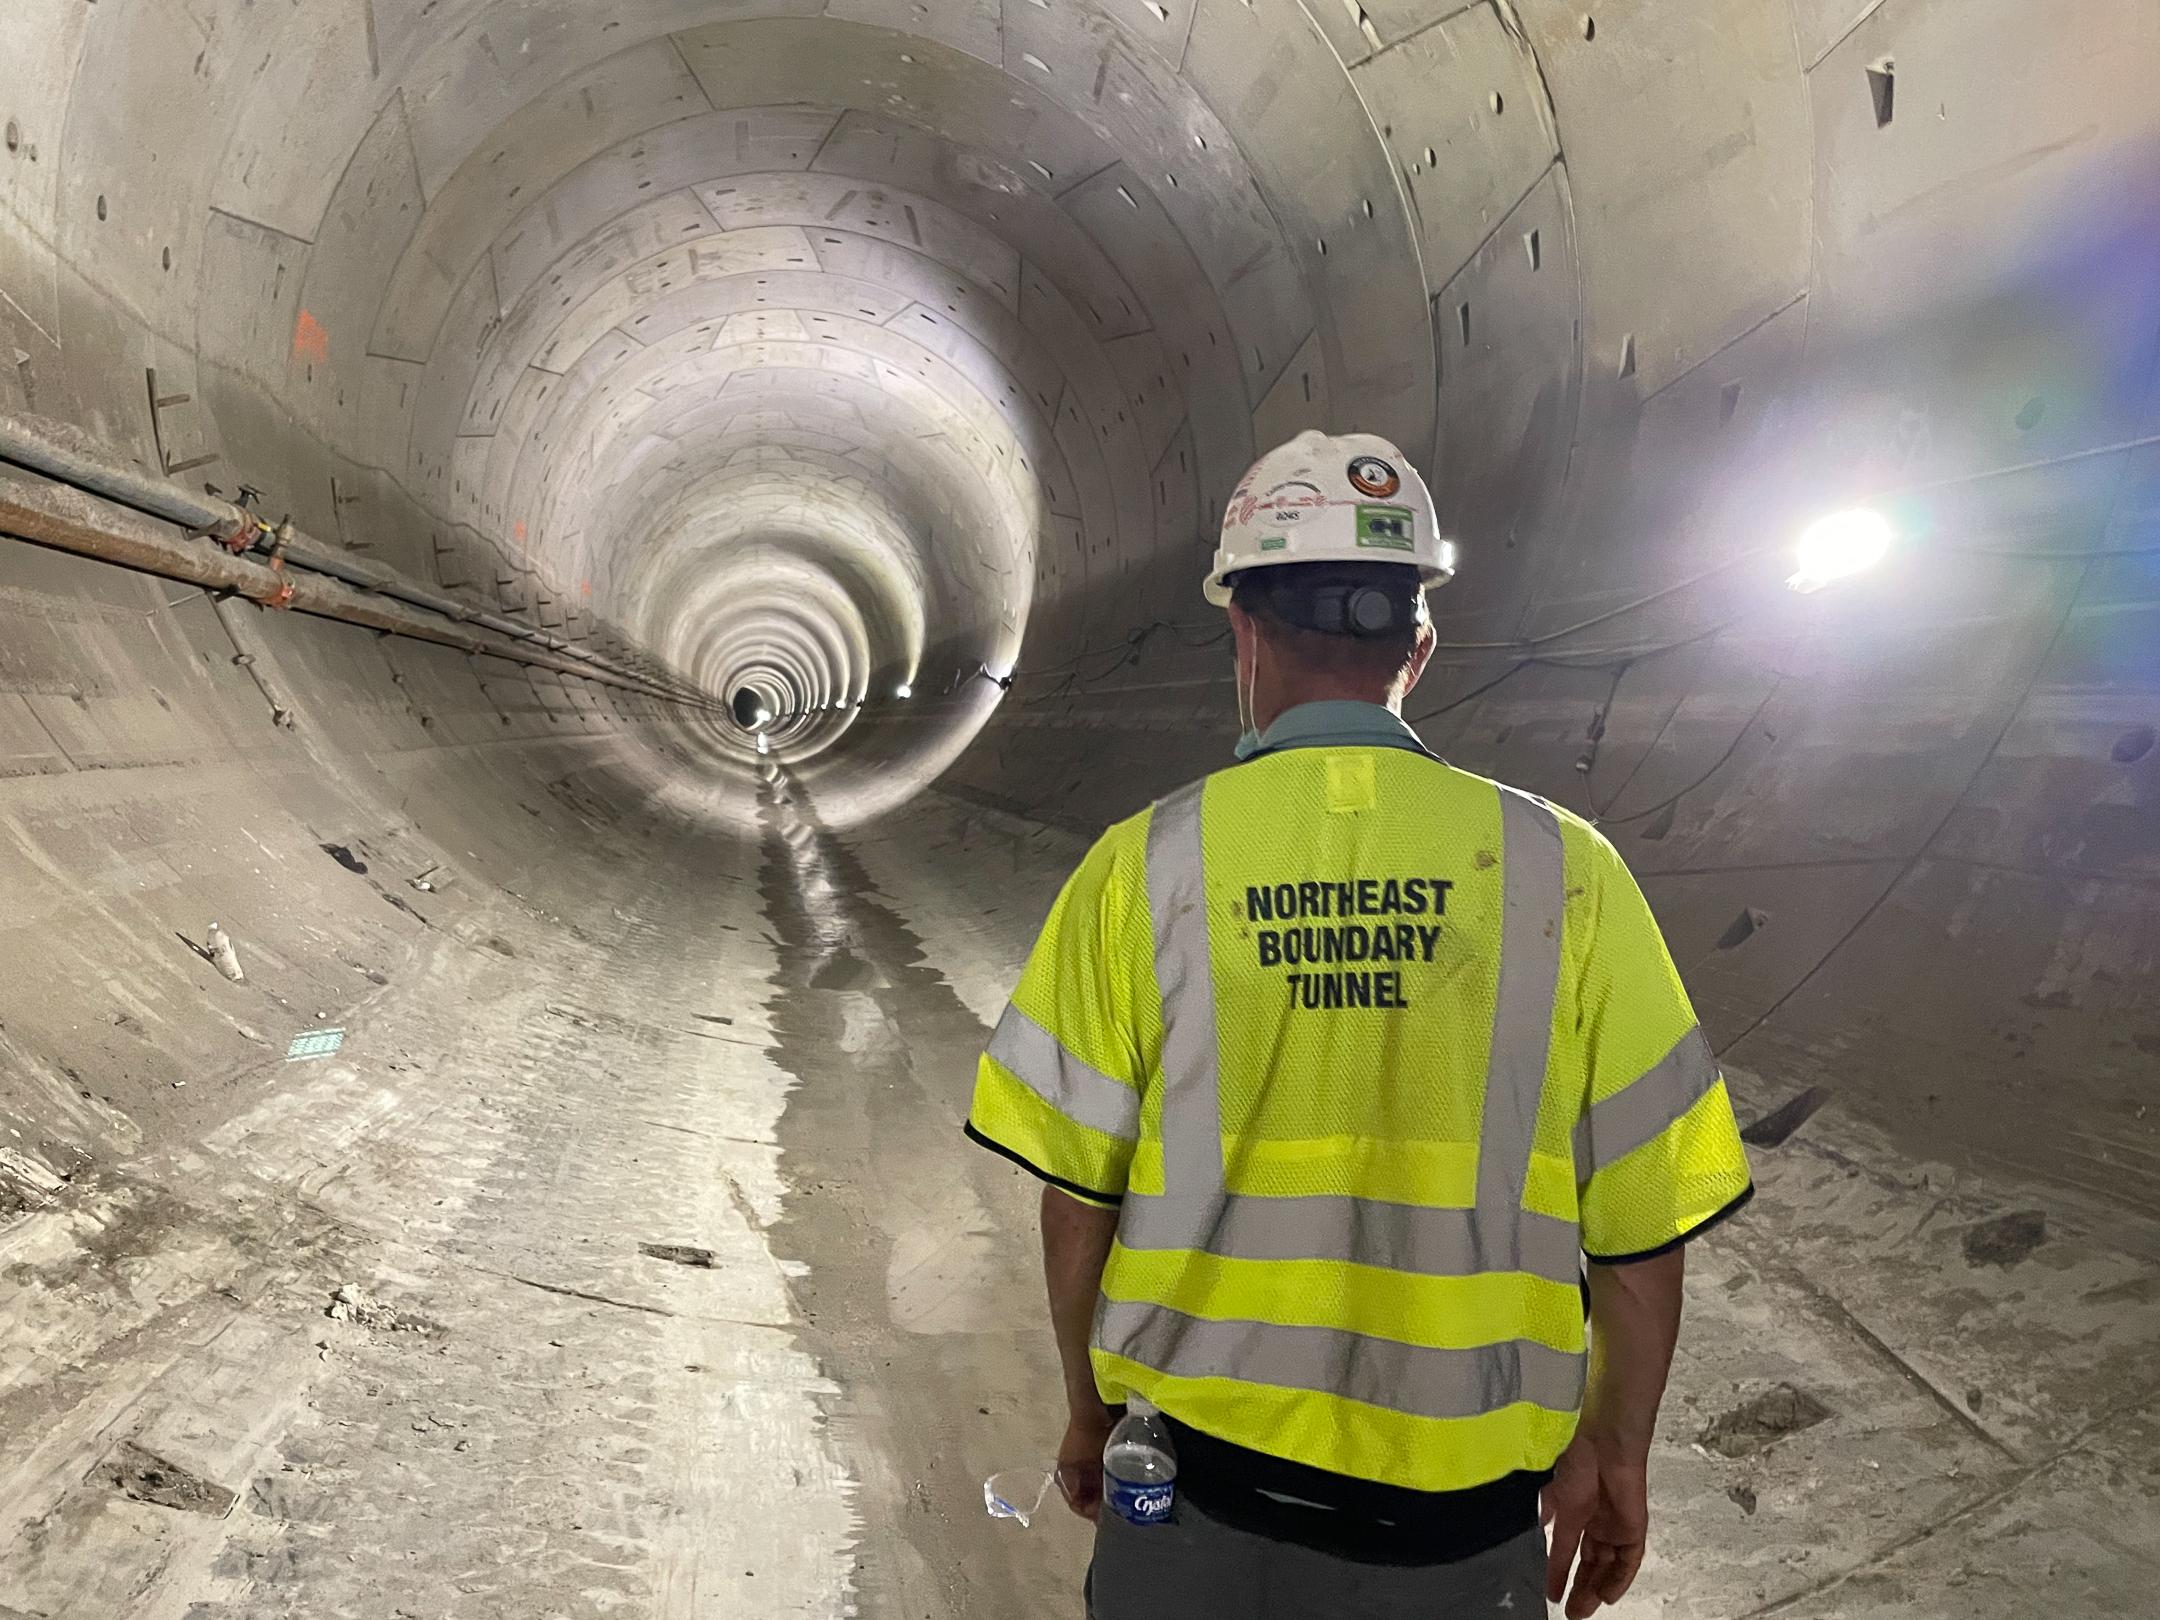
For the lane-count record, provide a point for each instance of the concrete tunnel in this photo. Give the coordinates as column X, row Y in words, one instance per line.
column 566, row 1212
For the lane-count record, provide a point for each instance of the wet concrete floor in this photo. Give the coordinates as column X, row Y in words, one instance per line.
column 922, row 1289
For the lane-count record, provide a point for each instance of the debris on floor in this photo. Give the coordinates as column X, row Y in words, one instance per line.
column 2006, row 1239
column 314, row 1043
column 1760, row 1422
column 146, row 1477
column 680, row 1254
column 26, row 1182
column 352, row 1303
column 218, row 949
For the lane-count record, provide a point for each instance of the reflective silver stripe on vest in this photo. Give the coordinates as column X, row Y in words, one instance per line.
column 1386, row 1373
column 1423, row 1241
column 1647, row 1107
column 1533, row 863
column 1191, row 1060
column 1084, row 1095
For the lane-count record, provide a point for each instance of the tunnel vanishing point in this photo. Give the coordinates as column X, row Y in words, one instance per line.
column 617, row 552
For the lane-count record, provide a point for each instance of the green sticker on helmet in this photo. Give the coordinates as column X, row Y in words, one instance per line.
column 1276, row 542
column 1387, row 528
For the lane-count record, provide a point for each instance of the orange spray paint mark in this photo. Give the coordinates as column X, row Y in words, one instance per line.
column 584, row 587
column 310, row 341
column 521, row 531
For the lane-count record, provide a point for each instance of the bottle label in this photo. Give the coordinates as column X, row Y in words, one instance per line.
column 1138, row 1503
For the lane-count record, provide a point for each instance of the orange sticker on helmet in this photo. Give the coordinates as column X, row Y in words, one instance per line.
column 1369, row 475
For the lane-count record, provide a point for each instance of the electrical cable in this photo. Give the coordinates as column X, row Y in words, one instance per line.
column 1216, row 634
column 1620, row 660
column 1603, row 819
column 1212, row 634
column 1474, row 693
column 1129, row 648
column 1920, row 850
column 2095, row 554
column 1550, row 636
column 1588, row 762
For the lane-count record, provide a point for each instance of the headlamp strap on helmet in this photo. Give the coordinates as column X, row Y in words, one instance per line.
column 1364, row 611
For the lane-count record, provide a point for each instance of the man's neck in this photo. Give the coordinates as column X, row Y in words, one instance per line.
column 1327, row 692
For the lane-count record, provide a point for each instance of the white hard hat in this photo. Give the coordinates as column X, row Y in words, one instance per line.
column 1352, row 497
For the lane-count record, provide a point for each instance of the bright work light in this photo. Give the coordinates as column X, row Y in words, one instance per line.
column 1844, row 543
column 903, row 690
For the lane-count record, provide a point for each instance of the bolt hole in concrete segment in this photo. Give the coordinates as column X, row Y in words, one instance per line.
column 2007, row 1239
column 144, row 1477
column 680, row 1254
column 1761, row 1421
column 352, row 1303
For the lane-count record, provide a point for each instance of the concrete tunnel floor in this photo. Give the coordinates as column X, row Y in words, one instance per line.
column 627, row 1259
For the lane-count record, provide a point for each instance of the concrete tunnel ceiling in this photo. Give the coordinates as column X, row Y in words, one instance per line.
column 824, row 348
column 833, row 349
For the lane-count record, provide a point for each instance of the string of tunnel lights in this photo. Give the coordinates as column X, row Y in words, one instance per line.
column 1834, row 547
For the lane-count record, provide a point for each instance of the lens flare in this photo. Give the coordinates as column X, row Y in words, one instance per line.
column 1839, row 545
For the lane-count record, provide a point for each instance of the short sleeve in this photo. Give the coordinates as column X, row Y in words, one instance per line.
column 1657, row 1151
column 1058, row 1089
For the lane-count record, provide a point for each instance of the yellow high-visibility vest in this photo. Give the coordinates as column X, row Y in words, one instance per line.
column 1369, row 1053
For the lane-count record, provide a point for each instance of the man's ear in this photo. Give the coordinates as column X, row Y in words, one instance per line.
column 1242, row 628
column 1420, row 655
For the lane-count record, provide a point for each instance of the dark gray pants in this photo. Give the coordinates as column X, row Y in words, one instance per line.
column 1197, row 1568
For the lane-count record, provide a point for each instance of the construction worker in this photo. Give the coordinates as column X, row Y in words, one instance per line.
column 1339, row 1065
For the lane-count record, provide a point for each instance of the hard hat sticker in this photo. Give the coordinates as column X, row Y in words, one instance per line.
column 1275, row 542
column 1369, row 475
column 1389, row 528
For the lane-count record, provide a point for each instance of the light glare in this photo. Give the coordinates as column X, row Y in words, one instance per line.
column 903, row 690
column 1839, row 545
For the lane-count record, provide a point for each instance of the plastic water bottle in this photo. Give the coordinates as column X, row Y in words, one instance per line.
column 1140, row 1470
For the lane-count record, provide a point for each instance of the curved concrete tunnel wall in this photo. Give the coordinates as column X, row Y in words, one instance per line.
column 837, row 346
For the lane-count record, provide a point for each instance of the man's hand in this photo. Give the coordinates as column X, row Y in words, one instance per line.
column 1076, row 1242
column 1079, row 1462
column 1597, row 1507
column 1598, row 1503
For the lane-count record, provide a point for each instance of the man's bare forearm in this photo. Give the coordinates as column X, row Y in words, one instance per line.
column 1634, row 1325
column 1076, row 1245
